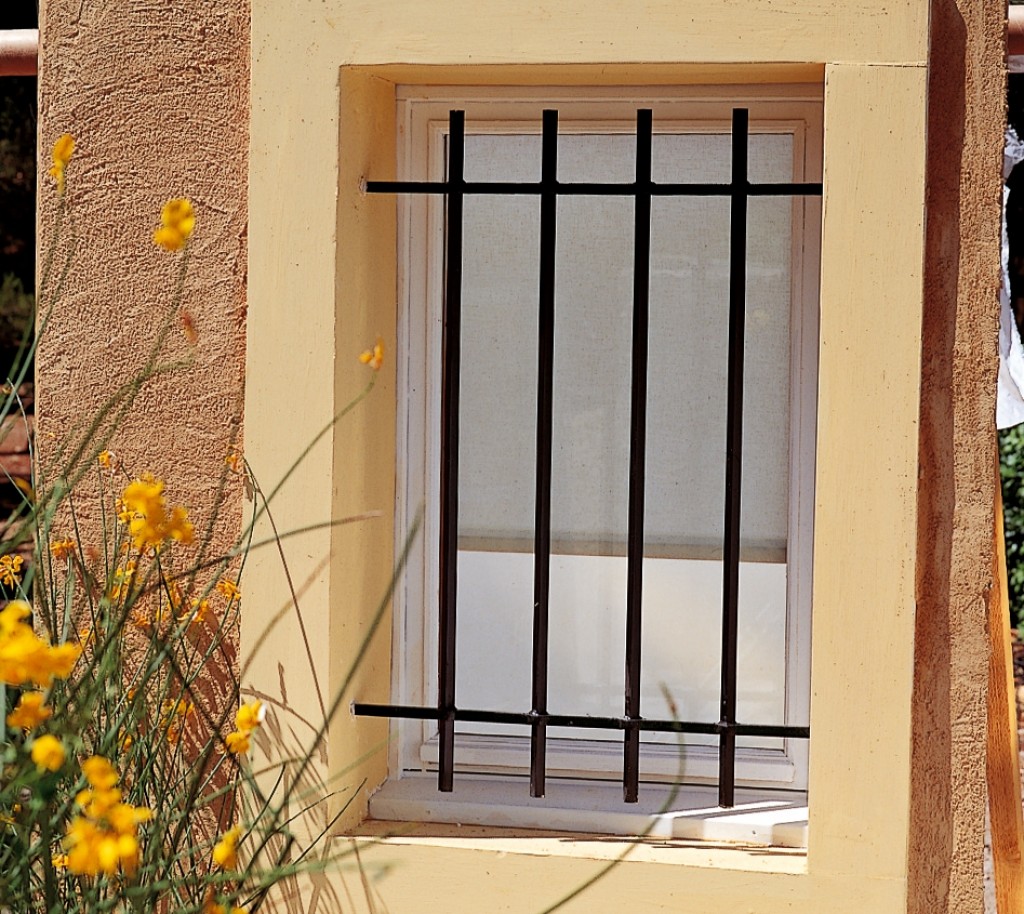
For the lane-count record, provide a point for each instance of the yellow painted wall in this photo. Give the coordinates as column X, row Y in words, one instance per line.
column 322, row 288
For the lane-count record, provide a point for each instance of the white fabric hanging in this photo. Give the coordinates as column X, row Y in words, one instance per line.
column 1010, row 391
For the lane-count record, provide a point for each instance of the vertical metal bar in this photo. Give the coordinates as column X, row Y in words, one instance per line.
column 451, row 348
column 733, row 457
column 542, row 524
column 637, row 451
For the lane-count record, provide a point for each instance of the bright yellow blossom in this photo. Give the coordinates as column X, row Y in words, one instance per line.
column 105, row 837
column 250, row 716
column 374, row 357
column 30, row 712
column 229, row 590
column 100, row 774
column 62, row 549
column 105, row 459
column 178, row 220
column 24, row 656
column 48, row 753
column 225, row 852
column 123, row 514
column 62, row 152
column 10, row 569
column 238, row 742
column 148, row 521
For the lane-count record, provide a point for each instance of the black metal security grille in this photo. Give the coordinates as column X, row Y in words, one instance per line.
column 549, row 188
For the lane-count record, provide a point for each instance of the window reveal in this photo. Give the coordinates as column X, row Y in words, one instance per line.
column 483, row 529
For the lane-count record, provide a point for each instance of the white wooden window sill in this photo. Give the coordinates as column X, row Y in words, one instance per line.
column 768, row 818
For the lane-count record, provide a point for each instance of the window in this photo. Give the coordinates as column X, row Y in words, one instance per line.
column 591, row 457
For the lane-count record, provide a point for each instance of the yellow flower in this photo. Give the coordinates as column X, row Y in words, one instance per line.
column 122, row 580
column 62, row 152
column 228, row 589
column 105, row 837
column 149, row 623
column 59, row 861
column 148, row 521
column 48, row 753
column 238, row 742
column 30, row 712
column 105, row 459
column 374, row 357
column 198, row 610
column 225, row 853
column 100, row 774
column 123, row 514
column 210, row 906
column 172, row 716
column 235, row 462
column 62, row 549
column 61, row 660
column 24, row 656
column 250, row 716
column 174, row 597
column 10, row 570
column 178, row 220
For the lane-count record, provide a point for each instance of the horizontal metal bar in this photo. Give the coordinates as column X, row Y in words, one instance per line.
column 689, row 551
column 586, row 189
column 580, row 721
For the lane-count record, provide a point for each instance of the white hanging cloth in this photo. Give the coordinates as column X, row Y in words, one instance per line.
column 1010, row 390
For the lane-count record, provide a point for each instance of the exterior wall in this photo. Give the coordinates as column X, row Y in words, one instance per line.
column 158, row 102
column 157, row 98
column 867, row 533
column 957, row 454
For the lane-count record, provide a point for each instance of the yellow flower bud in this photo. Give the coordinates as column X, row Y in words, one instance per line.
column 48, row 753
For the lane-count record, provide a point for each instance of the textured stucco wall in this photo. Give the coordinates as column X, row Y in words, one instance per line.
column 157, row 98
column 957, row 453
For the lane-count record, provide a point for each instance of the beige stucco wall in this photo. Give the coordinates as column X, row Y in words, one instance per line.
column 156, row 97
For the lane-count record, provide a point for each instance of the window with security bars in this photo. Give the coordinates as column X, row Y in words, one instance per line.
column 620, row 445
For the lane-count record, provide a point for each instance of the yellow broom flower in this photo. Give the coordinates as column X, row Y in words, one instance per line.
column 63, row 149
column 178, row 220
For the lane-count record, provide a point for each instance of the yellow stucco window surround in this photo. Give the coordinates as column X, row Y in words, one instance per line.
column 322, row 283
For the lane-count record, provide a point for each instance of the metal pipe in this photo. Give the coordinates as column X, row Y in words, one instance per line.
column 19, row 52
column 1015, row 31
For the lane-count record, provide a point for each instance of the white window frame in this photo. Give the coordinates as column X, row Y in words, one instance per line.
column 422, row 123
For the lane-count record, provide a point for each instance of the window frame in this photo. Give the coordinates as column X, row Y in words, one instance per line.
column 421, row 118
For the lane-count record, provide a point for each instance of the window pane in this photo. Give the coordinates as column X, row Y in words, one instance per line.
column 591, row 416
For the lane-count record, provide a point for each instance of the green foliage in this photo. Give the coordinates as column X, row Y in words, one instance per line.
column 16, row 314
column 1011, row 470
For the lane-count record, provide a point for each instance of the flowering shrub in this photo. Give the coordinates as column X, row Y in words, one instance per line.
column 125, row 782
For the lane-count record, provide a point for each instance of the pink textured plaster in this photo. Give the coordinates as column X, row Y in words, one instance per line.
column 156, row 97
